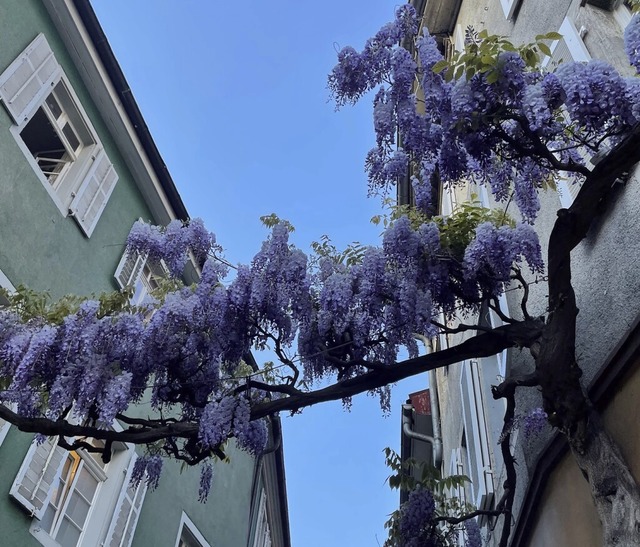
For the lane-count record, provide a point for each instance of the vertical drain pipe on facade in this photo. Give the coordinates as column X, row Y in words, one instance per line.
column 436, row 439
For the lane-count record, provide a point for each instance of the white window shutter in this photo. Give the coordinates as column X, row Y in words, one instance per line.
column 40, row 470
column 93, row 194
column 126, row 512
column 4, row 429
column 129, row 268
column 477, row 436
column 29, row 79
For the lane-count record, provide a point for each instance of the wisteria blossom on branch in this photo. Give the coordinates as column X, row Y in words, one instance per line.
column 498, row 120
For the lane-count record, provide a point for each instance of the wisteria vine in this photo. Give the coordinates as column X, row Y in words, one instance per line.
column 327, row 320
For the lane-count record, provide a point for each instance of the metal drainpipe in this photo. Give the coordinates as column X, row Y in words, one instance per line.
column 436, row 440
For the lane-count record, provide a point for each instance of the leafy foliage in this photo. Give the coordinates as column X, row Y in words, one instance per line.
column 495, row 119
column 482, row 55
column 433, row 529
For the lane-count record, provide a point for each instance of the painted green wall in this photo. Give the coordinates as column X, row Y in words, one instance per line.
column 14, row 521
column 42, row 249
column 223, row 519
column 39, row 247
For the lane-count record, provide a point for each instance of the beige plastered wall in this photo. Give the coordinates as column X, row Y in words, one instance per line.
column 566, row 516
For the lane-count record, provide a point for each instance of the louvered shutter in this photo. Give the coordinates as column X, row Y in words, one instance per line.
column 476, row 435
column 92, row 195
column 40, row 470
column 126, row 512
column 29, row 79
column 129, row 268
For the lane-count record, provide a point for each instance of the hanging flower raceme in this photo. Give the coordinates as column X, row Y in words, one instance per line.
column 494, row 251
column 632, row 41
column 415, row 516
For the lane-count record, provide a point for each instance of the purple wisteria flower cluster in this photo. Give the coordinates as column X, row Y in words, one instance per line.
column 415, row 517
column 490, row 256
column 534, row 422
column 512, row 119
column 329, row 318
column 188, row 353
column 147, row 468
column 632, row 41
column 472, row 532
column 172, row 242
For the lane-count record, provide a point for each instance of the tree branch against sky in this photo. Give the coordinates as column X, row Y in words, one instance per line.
column 338, row 323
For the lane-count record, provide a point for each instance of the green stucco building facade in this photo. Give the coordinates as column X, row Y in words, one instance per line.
column 77, row 168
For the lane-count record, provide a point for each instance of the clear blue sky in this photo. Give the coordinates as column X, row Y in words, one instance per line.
column 235, row 96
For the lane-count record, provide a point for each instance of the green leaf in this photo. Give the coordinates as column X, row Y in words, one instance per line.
column 449, row 75
column 272, row 220
column 440, row 66
column 550, row 36
column 530, row 58
column 544, row 48
column 493, row 77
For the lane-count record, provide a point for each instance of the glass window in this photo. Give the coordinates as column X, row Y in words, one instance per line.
column 56, row 135
column 70, row 504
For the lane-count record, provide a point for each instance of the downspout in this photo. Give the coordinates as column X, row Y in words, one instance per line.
column 436, row 439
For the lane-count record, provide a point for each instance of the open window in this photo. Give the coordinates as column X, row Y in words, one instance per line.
column 69, row 493
column 143, row 275
column 56, row 136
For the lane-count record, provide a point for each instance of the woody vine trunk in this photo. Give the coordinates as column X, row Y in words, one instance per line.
column 615, row 493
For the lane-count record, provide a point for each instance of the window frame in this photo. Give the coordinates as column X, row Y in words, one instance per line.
column 622, row 14
column 84, row 187
column 509, row 7
column 567, row 191
column 137, row 271
column 4, row 430
column 187, row 523
column 44, row 477
column 262, row 536
column 135, row 499
column 477, row 436
column 82, row 461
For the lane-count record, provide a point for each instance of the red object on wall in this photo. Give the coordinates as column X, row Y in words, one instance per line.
column 421, row 401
